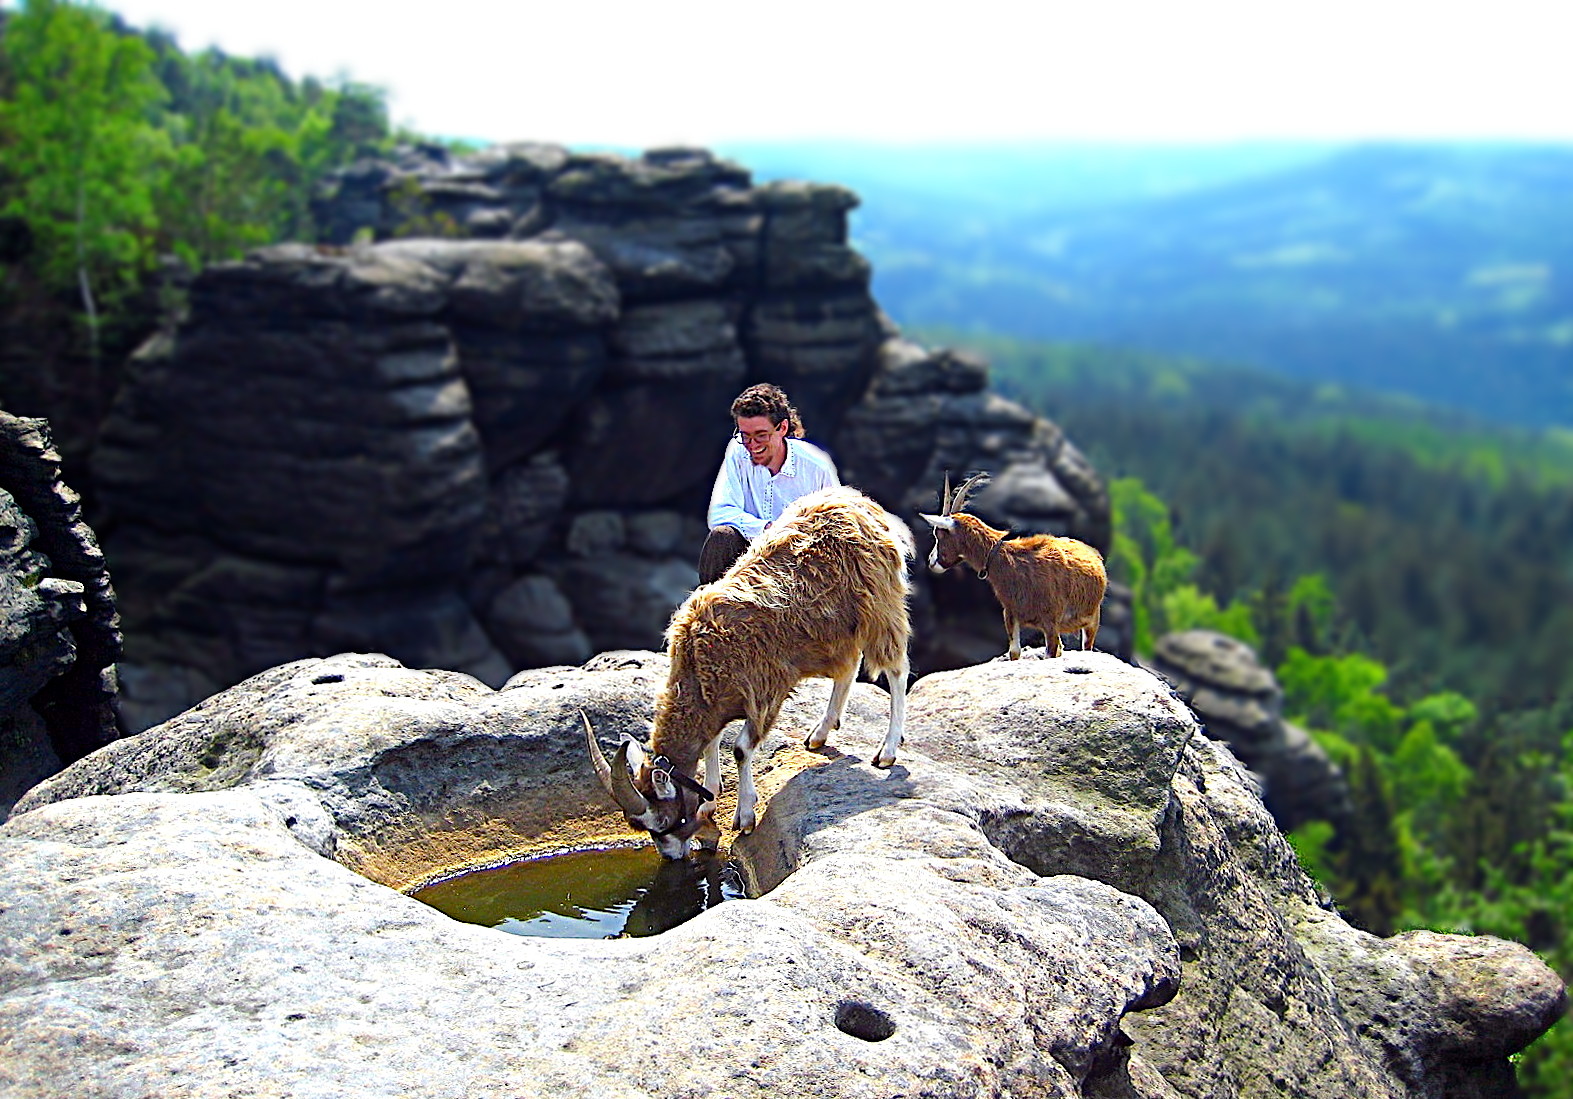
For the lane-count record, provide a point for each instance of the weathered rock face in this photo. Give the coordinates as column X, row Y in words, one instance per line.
column 1063, row 888
column 59, row 632
column 480, row 454
column 1240, row 703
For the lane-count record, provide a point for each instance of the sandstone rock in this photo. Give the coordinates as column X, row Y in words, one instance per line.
column 1241, row 704
column 674, row 370
column 527, row 500
column 539, row 340
column 59, row 629
column 534, row 625
column 528, row 322
column 920, row 931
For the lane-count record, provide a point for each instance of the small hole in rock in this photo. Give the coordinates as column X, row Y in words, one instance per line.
column 331, row 677
column 1077, row 669
column 864, row 1021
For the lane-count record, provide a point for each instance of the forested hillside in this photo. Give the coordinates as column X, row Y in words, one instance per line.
column 1408, row 572
column 1440, row 271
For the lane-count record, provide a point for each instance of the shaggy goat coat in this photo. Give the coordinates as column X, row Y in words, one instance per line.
column 824, row 587
column 1041, row 581
column 821, row 593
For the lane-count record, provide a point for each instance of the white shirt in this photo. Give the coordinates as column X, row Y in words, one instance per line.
column 747, row 496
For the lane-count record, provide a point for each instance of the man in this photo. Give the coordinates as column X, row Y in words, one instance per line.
column 767, row 466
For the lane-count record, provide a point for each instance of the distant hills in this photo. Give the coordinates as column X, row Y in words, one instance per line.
column 1440, row 271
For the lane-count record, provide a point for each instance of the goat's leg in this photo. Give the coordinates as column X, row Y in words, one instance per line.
column 1013, row 635
column 897, row 682
column 709, row 836
column 1051, row 638
column 838, row 704
column 713, row 769
column 1089, row 633
column 755, row 729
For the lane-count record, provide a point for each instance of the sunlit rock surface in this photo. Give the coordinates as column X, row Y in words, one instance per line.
column 1062, row 889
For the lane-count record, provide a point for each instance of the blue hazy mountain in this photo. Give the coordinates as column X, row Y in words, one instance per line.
column 1440, row 271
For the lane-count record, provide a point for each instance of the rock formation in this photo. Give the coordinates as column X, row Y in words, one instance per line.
column 59, row 632
column 1240, row 703
column 1063, row 888
column 485, row 440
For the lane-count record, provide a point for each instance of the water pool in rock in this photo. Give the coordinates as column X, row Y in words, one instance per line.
column 601, row 893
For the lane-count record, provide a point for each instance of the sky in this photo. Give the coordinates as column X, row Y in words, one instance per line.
column 639, row 74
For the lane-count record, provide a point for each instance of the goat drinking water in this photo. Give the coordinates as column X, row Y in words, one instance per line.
column 1042, row 581
column 821, row 593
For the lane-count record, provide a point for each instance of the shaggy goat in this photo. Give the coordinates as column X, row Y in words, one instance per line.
column 1041, row 581
column 822, row 592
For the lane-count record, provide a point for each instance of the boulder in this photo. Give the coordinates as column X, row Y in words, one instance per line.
column 1240, row 703
column 1063, row 888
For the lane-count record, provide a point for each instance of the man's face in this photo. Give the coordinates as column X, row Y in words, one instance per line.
column 766, row 442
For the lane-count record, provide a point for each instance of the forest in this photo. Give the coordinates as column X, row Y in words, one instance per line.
column 1406, row 571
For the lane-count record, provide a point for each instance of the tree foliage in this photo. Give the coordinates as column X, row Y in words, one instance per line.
column 80, row 151
column 118, row 149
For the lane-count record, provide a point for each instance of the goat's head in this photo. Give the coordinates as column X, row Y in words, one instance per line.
column 947, row 547
column 654, row 795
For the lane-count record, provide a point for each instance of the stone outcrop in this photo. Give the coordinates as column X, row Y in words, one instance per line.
column 1240, row 703
column 1063, row 888
column 477, row 430
column 59, row 631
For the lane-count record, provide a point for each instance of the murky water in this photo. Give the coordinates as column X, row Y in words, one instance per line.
column 588, row 894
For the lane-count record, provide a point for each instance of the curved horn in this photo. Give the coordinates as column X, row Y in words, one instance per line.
column 964, row 489
column 614, row 776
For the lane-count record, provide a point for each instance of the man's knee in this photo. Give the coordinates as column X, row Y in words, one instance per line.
column 722, row 546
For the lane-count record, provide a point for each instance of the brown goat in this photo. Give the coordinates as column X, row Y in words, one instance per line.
column 1041, row 581
column 821, row 593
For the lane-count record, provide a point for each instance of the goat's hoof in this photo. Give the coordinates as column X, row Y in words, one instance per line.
column 742, row 826
column 814, row 744
column 884, row 763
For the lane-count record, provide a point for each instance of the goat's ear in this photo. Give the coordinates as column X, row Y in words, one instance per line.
column 939, row 522
column 661, row 782
column 636, row 753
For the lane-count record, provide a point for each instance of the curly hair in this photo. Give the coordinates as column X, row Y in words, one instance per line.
column 769, row 401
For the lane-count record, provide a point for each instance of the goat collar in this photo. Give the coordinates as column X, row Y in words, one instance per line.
column 661, row 763
column 983, row 573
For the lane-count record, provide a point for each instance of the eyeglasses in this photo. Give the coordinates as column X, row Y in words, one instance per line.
column 758, row 437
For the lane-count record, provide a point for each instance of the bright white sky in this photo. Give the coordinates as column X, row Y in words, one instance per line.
column 641, row 73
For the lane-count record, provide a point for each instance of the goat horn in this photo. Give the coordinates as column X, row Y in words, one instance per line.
column 965, row 489
column 944, row 502
column 614, row 776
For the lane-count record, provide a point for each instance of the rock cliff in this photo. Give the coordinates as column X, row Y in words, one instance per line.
column 478, row 428
column 59, row 631
column 1063, row 888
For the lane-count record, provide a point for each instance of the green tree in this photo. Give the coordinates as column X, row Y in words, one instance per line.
column 1366, row 865
column 1148, row 557
column 81, row 158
